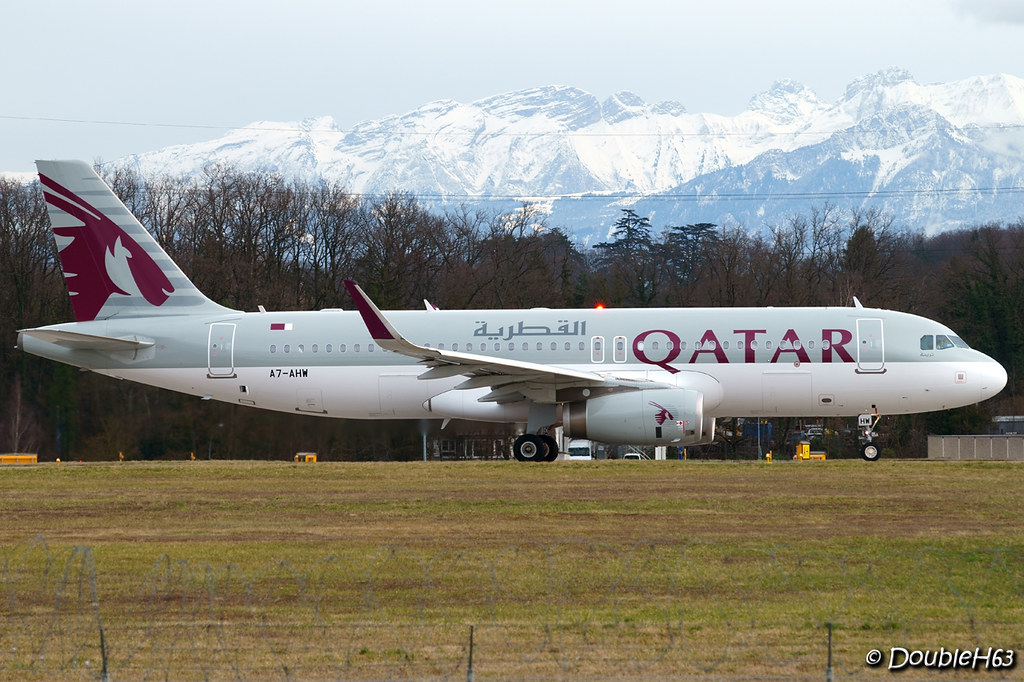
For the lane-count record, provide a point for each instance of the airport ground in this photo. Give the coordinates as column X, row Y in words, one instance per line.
column 895, row 552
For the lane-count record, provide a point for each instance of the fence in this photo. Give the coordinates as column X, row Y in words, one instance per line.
column 1000, row 448
column 566, row 610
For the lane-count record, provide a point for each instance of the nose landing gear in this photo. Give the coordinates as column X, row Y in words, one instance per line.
column 869, row 449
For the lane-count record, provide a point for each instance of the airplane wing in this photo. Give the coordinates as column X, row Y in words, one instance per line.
column 509, row 380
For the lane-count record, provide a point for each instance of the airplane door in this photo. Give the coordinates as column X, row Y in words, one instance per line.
column 221, row 363
column 870, row 348
column 309, row 400
column 786, row 393
column 391, row 388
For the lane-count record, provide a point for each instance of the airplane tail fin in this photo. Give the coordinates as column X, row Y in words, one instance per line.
column 112, row 265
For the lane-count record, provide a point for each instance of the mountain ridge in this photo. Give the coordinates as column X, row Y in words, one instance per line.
column 933, row 155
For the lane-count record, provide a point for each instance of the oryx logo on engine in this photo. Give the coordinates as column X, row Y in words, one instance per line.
column 662, row 415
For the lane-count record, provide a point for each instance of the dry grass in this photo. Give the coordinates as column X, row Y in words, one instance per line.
column 210, row 505
column 744, row 562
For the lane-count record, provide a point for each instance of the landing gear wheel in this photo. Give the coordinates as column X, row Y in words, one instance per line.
column 552, row 448
column 529, row 448
column 870, row 451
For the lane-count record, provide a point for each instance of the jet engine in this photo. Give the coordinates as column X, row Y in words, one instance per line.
column 668, row 416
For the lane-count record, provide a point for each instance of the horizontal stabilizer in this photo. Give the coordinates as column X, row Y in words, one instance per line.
column 79, row 341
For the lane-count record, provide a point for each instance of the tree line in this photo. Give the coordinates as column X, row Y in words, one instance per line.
column 250, row 239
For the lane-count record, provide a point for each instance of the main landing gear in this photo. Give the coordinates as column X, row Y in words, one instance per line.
column 869, row 450
column 533, row 448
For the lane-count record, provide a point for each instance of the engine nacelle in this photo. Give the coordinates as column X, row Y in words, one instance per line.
column 708, row 427
column 669, row 416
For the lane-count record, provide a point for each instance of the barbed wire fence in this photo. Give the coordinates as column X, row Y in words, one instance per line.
column 570, row 609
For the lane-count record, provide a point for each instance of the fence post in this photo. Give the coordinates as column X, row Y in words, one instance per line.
column 469, row 669
column 829, row 675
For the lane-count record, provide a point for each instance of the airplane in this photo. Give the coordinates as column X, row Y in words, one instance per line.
column 618, row 376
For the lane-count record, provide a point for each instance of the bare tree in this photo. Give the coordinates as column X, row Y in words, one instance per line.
column 23, row 430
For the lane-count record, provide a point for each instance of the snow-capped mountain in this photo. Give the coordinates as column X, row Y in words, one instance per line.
column 932, row 156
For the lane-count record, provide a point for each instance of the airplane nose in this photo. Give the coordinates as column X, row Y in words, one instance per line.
column 993, row 379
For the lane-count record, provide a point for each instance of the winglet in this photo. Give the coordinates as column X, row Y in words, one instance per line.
column 380, row 329
column 383, row 332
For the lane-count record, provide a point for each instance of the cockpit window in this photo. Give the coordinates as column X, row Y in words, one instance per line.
column 941, row 342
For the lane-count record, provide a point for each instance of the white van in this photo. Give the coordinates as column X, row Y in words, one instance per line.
column 580, row 449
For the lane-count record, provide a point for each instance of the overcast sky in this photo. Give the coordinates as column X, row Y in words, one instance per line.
column 102, row 79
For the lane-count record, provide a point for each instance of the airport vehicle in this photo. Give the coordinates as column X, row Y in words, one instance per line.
column 637, row 376
column 580, row 449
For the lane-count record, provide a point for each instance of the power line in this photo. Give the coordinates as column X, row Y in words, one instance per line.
column 642, row 197
column 714, row 197
column 446, row 132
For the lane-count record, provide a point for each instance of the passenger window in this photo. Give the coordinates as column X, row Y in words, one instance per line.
column 273, row 348
column 927, row 342
column 942, row 342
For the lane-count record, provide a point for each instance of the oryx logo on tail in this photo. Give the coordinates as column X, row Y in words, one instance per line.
column 101, row 259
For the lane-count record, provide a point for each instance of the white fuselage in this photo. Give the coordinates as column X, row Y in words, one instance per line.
column 745, row 361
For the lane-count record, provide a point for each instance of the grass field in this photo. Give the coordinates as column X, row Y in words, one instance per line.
column 607, row 568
